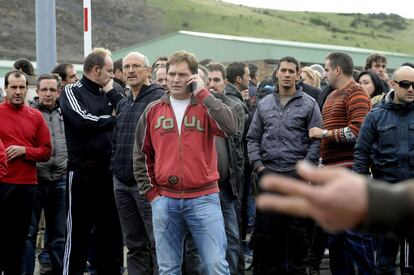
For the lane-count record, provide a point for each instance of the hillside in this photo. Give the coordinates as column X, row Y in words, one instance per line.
column 122, row 23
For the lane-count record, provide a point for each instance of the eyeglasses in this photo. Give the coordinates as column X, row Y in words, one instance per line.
column 52, row 90
column 405, row 84
column 134, row 67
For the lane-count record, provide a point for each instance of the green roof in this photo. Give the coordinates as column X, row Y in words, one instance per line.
column 228, row 48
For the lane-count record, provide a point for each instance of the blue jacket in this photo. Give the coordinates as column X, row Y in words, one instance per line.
column 279, row 137
column 386, row 142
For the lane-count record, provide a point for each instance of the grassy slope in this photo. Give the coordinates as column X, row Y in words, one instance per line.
column 212, row 16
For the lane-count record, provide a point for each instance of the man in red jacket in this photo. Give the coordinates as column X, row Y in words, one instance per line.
column 26, row 137
column 175, row 165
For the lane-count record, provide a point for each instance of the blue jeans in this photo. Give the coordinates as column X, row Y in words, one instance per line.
column 174, row 218
column 351, row 248
column 50, row 196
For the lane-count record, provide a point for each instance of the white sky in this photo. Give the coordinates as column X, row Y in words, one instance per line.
column 400, row 7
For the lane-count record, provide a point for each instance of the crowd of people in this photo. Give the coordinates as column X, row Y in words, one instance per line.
column 166, row 159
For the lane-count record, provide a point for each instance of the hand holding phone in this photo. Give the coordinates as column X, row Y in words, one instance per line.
column 193, row 85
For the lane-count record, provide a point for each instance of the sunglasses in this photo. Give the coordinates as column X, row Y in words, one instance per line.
column 405, row 84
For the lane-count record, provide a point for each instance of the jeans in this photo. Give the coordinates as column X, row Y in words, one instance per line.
column 351, row 248
column 228, row 208
column 50, row 196
column 173, row 218
column 135, row 215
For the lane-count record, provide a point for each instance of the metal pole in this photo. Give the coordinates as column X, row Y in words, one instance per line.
column 45, row 35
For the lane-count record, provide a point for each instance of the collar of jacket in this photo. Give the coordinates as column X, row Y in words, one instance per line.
column 90, row 85
column 298, row 93
column 144, row 90
column 230, row 89
column 35, row 104
column 388, row 102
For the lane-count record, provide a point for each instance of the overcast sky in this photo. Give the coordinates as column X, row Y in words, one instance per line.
column 400, row 7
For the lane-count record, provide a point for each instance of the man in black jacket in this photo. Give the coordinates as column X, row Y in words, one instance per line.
column 230, row 166
column 385, row 146
column 134, row 209
column 87, row 108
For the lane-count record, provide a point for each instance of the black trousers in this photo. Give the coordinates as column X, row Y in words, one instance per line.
column 91, row 203
column 280, row 243
column 16, row 207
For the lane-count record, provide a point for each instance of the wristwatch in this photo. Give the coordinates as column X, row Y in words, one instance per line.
column 324, row 133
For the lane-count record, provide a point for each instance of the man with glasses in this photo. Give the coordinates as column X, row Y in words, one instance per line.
column 385, row 147
column 87, row 108
column 51, row 191
column 134, row 209
column 26, row 139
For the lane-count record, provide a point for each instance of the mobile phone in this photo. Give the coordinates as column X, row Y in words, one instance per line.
column 191, row 87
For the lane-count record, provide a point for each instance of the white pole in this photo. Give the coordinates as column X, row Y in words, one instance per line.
column 87, row 27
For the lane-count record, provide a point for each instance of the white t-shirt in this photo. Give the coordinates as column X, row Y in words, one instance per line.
column 179, row 106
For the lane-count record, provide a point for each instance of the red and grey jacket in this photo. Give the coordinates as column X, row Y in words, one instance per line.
column 181, row 165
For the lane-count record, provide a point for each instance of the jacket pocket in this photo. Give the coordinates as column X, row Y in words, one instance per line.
column 387, row 135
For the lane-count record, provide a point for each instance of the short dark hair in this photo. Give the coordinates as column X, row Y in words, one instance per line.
column 205, row 61
column 289, row 59
column 118, row 65
column 52, row 76
column 211, row 67
column 253, row 70
column 95, row 58
column 375, row 57
column 341, row 60
column 378, row 83
column 183, row 56
column 234, row 70
column 61, row 69
column 24, row 65
column 16, row 74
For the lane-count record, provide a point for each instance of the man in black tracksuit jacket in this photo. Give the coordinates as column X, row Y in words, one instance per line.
column 87, row 108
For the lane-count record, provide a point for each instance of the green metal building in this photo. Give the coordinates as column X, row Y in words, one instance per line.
column 228, row 48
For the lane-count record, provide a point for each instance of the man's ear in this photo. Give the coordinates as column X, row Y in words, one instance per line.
column 225, row 82
column 96, row 69
column 238, row 79
column 338, row 70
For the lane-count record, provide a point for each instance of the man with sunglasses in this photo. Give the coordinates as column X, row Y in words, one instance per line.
column 386, row 145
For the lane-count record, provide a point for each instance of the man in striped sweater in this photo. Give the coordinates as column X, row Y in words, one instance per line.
column 343, row 113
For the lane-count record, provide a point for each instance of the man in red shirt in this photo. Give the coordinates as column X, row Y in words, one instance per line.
column 26, row 139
